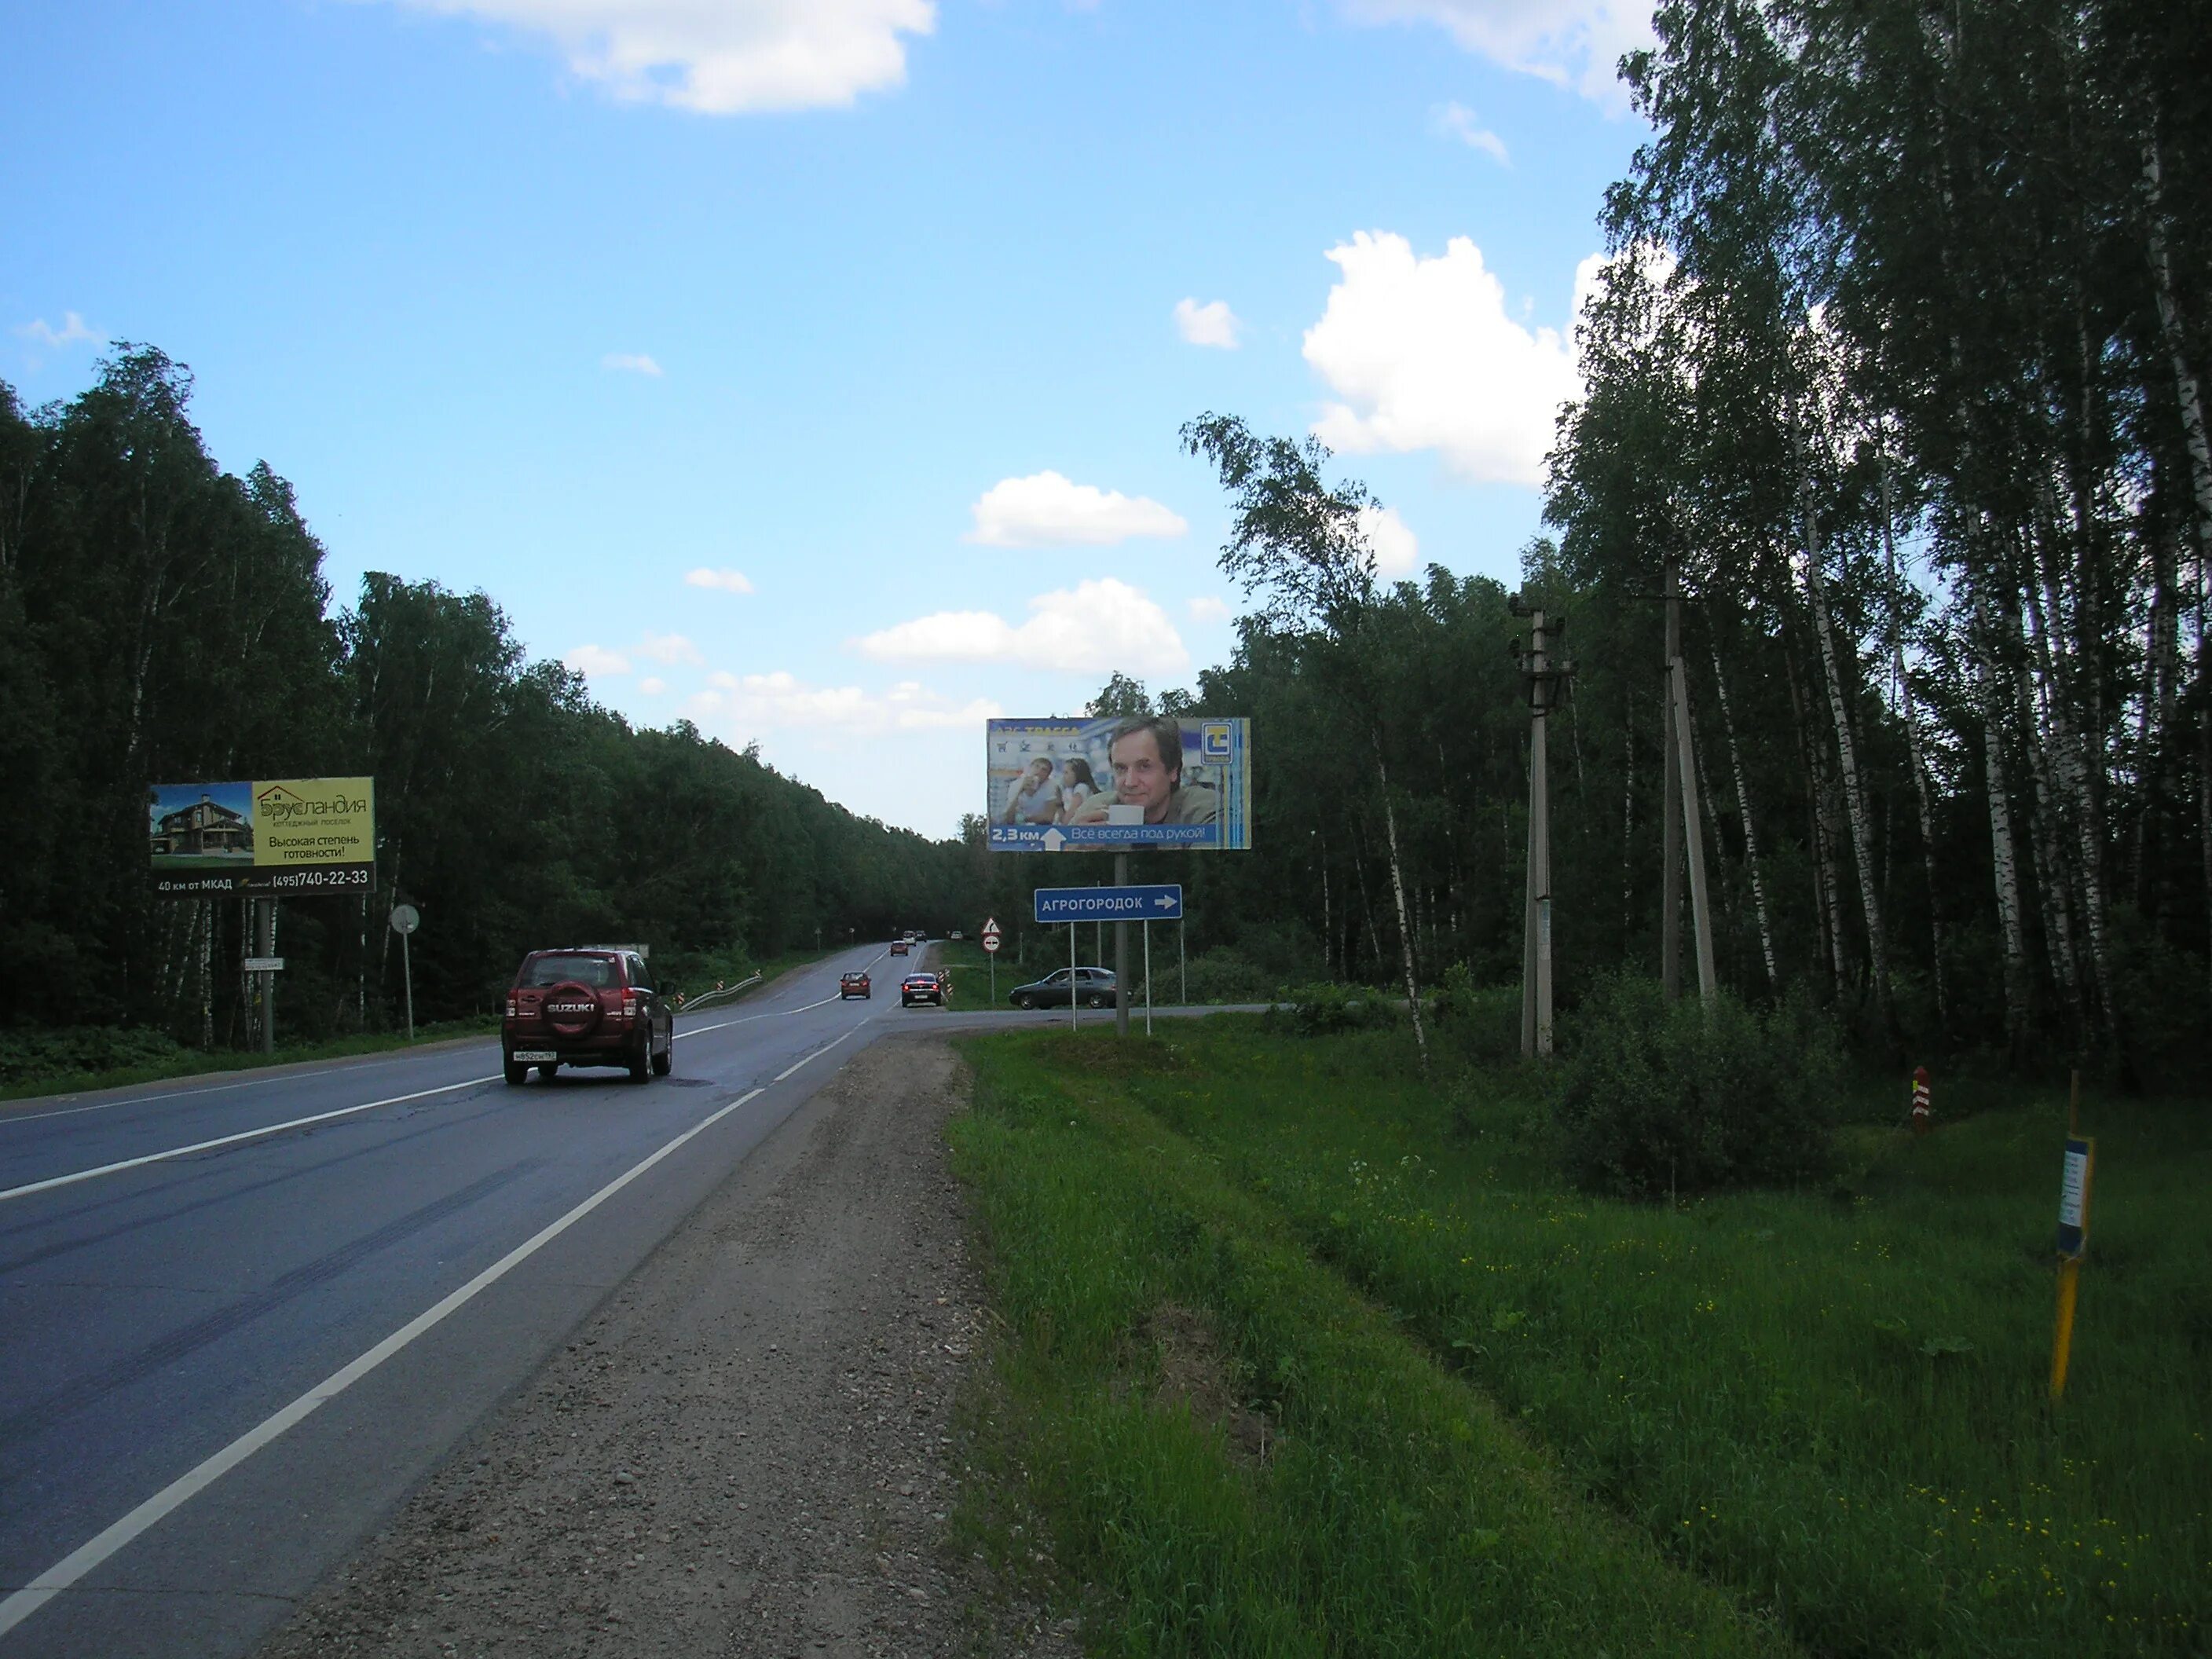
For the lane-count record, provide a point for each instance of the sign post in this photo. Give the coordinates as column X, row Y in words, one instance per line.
column 1921, row 1115
column 991, row 955
column 2081, row 1167
column 405, row 919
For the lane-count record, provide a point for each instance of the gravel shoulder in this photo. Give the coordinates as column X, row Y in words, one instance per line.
column 751, row 1448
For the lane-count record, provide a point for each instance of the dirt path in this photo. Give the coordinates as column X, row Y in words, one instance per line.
column 749, row 1449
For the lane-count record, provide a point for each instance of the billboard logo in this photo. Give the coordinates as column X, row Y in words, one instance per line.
column 1213, row 740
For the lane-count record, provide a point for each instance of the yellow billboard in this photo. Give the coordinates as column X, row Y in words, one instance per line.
column 297, row 835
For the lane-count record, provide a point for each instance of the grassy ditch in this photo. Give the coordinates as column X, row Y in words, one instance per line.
column 81, row 1058
column 1829, row 1406
column 1235, row 1449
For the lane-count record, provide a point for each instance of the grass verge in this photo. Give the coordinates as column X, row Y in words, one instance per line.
column 166, row 1059
column 1236, row 1452
column 1833, row 1403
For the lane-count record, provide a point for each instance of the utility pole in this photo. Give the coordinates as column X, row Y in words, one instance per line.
column 1670, row 898
column 1543, row 675
column 1701, row 915
column 1121, row 954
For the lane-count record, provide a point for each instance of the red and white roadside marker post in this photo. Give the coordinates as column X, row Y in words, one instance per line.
column 991, row 950
column 1921, row 1116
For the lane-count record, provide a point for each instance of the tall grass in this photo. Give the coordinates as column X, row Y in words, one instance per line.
column 1833, row 1401
column 1343, row 1493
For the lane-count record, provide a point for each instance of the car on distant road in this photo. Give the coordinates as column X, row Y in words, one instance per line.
column 855, row 985
column 956, row 934
column 923, row 987
column 1093, row 988
column 587, row 1004
column 899, row 947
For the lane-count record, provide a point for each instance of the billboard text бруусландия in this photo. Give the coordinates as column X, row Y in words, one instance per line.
column 284, row 836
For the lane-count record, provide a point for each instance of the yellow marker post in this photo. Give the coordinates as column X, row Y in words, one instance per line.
column 2073, row 1236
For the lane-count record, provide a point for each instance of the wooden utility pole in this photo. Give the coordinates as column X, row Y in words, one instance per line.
column 1701, row 915
column 1543, row 675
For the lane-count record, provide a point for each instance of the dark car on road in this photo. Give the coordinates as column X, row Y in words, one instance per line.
column 855, row 985
column 587, row 1004
column 1092, row 986
column 922, row 987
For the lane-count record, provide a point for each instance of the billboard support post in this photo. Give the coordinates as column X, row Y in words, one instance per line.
column 407, row 973
column 1183, row 964
column 1072, row 976
column 1121, row 954
column 1148, row 974
column 265, row 945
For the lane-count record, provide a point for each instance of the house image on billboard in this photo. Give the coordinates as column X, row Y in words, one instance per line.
column 202, row 828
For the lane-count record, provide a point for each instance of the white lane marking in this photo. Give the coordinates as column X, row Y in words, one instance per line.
column 779, row 1013
column 818, row 1053
column 71, row 1179
column 87, row 1556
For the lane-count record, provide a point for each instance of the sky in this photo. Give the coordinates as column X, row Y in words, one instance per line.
column 812, row 369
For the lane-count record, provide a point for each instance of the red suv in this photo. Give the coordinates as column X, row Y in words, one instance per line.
column 590, row 1005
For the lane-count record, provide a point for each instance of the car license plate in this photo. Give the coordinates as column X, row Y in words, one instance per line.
column 522, row 1055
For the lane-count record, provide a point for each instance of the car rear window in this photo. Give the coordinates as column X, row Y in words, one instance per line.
column 598, row 972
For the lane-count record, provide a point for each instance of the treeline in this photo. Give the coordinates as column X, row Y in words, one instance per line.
column 1899, row 365
column 163, row 622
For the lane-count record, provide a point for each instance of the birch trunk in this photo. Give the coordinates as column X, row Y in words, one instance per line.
column 1398, row 892
column 1750, row 832
column 1911, row 716
column 2003, row 853
column 2184, row 377
column 1854, row 795
column 1825, row 897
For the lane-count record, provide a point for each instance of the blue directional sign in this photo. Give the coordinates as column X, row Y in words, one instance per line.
column 1162, row 901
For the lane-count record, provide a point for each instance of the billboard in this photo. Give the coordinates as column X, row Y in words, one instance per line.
column 1112, row 784
column 289, row 835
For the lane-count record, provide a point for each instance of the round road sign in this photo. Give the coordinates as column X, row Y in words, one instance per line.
column 991, row 943
column 405, row 918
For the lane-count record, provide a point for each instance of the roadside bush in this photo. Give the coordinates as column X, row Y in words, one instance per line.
column 35, row 1056
column 1221, row 974
column 1319, row 1009
column 1481, row 1023
column 1653, row 1098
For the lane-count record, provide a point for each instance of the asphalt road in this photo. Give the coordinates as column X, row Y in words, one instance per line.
column 231, row 1341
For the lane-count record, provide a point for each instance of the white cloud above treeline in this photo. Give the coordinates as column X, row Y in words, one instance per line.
column 1570, row 43
column 1208, row 608
column 595, row 661
column 1458, row 121
column 39, row 331
column 741, row 705
column 1423, row 354
column 1047, row 510
column 722, row 56
column 726, row 582
column 631, row 362
column 1397, row 550
column 1213, row 324
column 1098, row 626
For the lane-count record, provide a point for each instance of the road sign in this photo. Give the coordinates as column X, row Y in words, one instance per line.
column 405, row 918
column 1162, row 901
column 991, row 943
column 264, row 964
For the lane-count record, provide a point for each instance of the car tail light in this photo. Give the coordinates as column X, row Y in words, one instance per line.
column 511, row 1009
column 629, row 1005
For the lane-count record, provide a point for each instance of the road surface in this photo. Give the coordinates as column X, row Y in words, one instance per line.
column 241, row 1317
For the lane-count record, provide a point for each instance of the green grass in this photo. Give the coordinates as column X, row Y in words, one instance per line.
column 99, row 1058
column 1335, row 1489
column 1834, row 1403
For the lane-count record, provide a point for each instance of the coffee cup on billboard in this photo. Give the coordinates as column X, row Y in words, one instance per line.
column 1121, row 812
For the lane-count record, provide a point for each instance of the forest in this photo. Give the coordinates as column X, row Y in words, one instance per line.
column 163, row 622
column 1895, row 372
column 1897, row 365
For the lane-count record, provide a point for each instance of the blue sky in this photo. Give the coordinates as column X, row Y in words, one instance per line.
column 891, row 308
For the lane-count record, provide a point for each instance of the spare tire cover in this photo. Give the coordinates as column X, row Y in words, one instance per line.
column 572, row 1009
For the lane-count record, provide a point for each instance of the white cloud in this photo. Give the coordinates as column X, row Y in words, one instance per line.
column 630, row 362
column 744, row 704
column 653, row 686
column 1424, row 356
column 669, row 648
column 1458, row 121
column 1047, row 510
column 1569, row 43
column 41, row 333
column 596, row 660
column 729, row 581
column 1208, row 609
column 723, row 57
column 1210, row 325
column 1100, row 626
column 1397, row 552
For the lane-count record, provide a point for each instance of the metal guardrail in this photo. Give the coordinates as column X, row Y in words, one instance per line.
column 700, row 1001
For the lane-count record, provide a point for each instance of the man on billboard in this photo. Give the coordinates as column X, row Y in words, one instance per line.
column 1146, row 756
